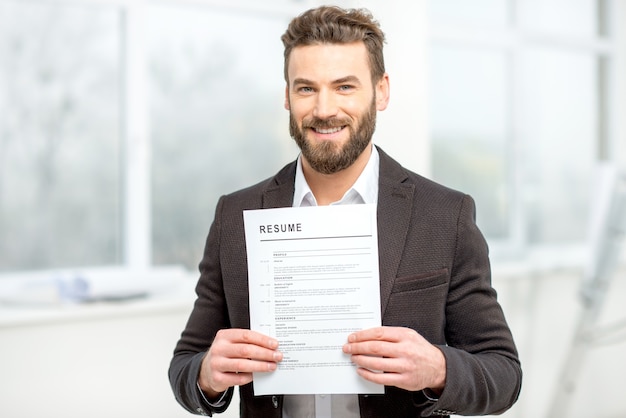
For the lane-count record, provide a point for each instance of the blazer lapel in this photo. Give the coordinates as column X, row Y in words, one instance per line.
column 279, row 193
column 395, row 205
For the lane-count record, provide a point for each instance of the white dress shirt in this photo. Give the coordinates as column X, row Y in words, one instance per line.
column 364, row 190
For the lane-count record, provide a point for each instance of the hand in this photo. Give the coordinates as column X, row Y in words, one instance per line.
column 404, row 357
column 233, row 356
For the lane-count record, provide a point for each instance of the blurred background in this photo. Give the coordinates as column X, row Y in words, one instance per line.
column 123, row 121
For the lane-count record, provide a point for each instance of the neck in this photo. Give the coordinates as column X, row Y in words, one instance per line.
column 328, row 188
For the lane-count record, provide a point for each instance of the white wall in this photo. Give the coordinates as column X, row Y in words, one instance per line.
column 112, row 364
column 403, row 129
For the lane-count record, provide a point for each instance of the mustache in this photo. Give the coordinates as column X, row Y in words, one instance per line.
column 325, row 123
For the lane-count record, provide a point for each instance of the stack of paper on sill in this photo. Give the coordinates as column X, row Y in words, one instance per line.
column 83, row 285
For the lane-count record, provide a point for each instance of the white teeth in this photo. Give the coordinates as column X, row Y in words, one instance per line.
column 328, row 131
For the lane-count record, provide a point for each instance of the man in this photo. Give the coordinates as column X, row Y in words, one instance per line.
column 444, row 347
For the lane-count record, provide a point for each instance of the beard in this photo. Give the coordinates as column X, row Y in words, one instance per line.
column 329, row 157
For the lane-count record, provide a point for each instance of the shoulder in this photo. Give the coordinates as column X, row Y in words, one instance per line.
column 279, row 186
column 424, row 190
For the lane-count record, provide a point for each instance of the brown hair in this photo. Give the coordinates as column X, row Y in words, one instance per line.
column 334, row 25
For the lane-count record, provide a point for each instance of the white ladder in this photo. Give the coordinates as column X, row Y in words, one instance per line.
column 608, row 228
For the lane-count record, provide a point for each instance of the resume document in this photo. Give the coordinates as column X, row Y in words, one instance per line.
column 313, row 280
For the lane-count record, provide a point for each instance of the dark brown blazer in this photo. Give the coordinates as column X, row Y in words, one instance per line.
column 434, row 277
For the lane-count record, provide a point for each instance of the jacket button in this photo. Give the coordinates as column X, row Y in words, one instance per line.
column 275, row 401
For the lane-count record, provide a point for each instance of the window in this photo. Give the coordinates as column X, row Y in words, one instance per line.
column 470, row 125
column 519, row 114
column 122, row 122
column 60, row 154
column 217, row 117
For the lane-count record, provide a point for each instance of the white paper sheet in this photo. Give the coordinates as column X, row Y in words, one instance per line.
column 313, row 279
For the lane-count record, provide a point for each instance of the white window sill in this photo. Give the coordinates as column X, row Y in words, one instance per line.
column 173, row 290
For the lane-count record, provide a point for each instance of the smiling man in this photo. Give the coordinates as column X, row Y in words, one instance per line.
column 333, row 101
column 444, row 346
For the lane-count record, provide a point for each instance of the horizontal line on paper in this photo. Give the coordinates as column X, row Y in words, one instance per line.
column 312, row 238
column 329, row 313
column 323, row 255
column 282, row 276
column 312, row 250
column 326, row 319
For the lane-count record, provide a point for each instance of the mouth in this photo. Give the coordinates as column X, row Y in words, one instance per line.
column 328, row 131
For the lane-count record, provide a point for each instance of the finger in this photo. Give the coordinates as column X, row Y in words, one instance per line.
column 238, row 335
column 387, row 379
column 253, row 352
column 256, row 338
column 378, row 334
column 381, row 364
column 224, row 372
column 372, row 348
column 244, row 358
column 243, row 344
column 239, row 366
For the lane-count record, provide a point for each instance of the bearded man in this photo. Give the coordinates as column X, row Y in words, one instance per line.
column 444, row 346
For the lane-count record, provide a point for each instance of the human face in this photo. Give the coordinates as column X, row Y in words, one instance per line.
column 332, row 103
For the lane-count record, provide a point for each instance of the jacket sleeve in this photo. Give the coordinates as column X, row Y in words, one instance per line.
column 483, row 370
column 208, row 316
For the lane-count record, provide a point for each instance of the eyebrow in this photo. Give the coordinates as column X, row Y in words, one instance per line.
column 348, row 79
column 342, row 80
column 302, row 81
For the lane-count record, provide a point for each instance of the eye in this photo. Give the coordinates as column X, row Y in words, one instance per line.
column 305, row 90
column 346, row 88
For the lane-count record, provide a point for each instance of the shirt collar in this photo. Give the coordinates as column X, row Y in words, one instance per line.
column 364, row 190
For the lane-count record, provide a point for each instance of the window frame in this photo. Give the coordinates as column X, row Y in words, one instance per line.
column 513, row 40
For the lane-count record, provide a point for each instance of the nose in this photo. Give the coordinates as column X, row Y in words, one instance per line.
column 325, row 105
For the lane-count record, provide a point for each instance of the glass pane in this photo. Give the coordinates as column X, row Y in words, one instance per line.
column 470, row 105
column 559, row 153
column 474, row 12
column 59, row 136
column 562, row 17
column 218, row 121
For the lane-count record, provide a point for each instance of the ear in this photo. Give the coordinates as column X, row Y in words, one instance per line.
column 382, row 92
column 287, row 106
